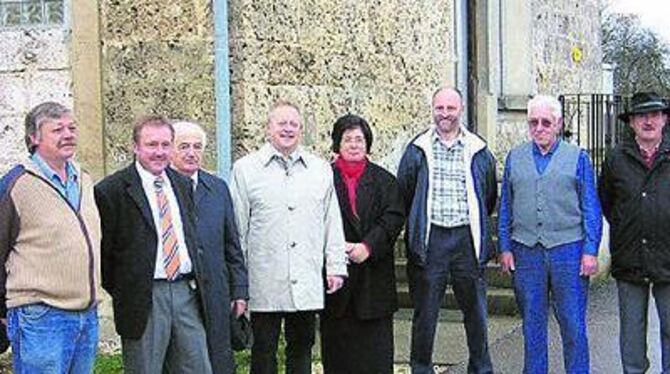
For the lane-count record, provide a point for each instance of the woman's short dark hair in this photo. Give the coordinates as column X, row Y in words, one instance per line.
column 348, row 122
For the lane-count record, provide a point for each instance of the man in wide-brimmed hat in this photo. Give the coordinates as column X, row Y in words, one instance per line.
column 634, row 191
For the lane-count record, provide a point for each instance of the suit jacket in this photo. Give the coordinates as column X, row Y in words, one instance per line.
column 129, row 244
column 370, row 290
column 223, row 266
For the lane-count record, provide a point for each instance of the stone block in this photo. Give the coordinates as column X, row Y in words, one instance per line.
column 159, row 59
column 558, row 29
column 273, row 20
column 11, row 141
column 127, row 20
column 40, row 48
column 183, row 97
column 286, row 63
column 13, row 94
column 322, row 24
column 51, row 85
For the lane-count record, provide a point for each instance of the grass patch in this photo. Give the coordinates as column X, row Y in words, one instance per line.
column 113, row 363
column 108, row 364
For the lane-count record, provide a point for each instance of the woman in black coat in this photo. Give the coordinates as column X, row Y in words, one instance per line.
column 357, row 323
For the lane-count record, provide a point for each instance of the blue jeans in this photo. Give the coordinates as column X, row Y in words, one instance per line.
column 45, row 339
column 545, row 277
column 450, row 258
column 633, row 307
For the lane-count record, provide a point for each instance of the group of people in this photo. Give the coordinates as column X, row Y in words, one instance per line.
column 183, row 254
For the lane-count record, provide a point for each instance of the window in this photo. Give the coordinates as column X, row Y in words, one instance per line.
column 31, row 13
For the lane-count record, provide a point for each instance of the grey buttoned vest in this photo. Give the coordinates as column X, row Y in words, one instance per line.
column 545, row 208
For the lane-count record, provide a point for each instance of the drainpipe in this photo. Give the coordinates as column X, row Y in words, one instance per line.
column 222, row 88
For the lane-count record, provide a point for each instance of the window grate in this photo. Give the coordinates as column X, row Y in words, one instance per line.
column 16, row 13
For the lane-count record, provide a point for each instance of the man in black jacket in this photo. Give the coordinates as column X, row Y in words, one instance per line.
column 152, row 265
column 634, row 191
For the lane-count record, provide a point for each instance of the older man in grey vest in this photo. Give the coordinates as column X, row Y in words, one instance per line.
column 549, row 230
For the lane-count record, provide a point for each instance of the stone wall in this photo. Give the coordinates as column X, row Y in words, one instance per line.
column 562, row 30
column 156, row 58
column 381, row 60
column 34, row 67
column 377, row 59
column 566, row 58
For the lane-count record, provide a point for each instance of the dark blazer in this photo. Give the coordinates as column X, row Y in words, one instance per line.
column 129, row 243
column 370, row 289
column 223, row 265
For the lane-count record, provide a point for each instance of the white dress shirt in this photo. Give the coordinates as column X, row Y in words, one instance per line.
column 148, row 179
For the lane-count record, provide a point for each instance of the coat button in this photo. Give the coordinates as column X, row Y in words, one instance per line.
column 291, row 208
column 644, row 241
column 294, row 281
column 293, row 244
column 644, row 194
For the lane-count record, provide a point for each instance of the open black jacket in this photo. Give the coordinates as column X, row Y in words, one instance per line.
column 636, row 202
column 370, row 289
column 129, row 245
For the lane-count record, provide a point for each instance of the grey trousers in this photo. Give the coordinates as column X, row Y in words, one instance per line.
column 174, row 340
column 633, row 311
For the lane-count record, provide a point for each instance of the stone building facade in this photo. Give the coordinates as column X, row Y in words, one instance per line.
column 114, row 60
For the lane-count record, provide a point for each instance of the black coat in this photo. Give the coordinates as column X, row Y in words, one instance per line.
column 223, row 266
column 370, row 289
column 129, row 244
column 636, row 202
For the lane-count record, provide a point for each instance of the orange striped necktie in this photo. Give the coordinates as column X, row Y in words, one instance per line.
column 168, row 234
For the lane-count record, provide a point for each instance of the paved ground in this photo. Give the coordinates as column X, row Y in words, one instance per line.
column 506, row 341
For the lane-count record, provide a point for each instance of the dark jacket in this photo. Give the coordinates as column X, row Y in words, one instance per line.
column 636, row 202
column 414, row 179
column 129, row 244
column 370, row 290
column 222, row 266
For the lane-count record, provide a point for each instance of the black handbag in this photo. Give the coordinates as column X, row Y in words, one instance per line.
column 241, row 336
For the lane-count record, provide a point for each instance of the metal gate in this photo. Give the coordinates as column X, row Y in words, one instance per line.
column 591, row 121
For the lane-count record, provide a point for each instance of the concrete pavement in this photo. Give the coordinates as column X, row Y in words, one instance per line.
column 506, row 340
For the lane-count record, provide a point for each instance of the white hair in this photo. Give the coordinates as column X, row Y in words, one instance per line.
column 189, row 128
column 546, row 101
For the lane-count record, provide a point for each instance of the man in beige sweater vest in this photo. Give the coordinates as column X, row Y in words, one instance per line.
column 49, row 250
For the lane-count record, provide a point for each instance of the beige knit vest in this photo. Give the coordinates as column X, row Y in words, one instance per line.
column 56, row 257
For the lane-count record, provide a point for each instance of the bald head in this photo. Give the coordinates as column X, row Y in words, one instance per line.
column 447, row 90
column 447, row 111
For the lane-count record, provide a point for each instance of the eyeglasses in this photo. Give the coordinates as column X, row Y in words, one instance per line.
column 195, row 147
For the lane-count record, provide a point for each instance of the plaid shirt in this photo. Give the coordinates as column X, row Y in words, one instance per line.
column 449, row 201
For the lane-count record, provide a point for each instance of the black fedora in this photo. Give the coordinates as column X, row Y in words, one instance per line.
column 644, row 102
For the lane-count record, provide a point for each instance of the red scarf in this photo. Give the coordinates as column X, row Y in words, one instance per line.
column 351, row 174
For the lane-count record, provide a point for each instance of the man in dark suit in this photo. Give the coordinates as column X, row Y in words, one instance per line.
column 217, row 234
column 151, row 262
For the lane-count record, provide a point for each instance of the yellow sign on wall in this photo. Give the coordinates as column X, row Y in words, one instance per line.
column 577, row 54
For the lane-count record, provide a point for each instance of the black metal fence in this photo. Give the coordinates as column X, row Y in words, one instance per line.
column 591, row 121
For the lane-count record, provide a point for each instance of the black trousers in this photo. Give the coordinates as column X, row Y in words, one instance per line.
column 299, row 335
